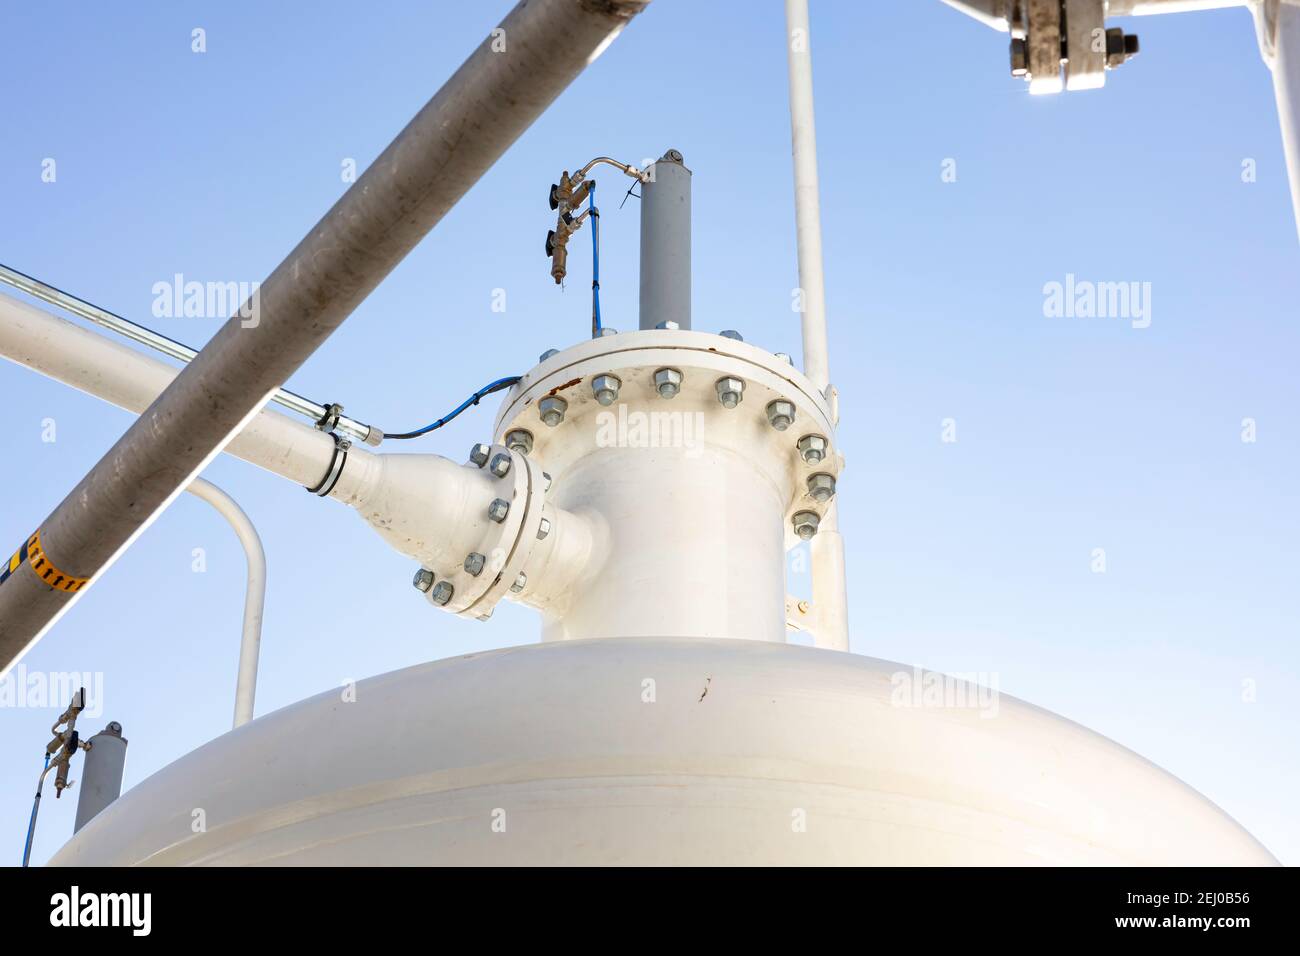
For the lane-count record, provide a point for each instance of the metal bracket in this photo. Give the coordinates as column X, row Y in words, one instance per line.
column 337, row 461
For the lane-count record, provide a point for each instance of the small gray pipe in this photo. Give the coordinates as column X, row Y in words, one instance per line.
column 101, row 773
column 666, row 244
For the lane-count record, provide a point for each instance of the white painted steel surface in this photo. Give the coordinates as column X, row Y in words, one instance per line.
column 750, row 753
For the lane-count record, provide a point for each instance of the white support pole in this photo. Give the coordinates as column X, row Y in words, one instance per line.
column 808, row 223
column 250, row 643
column 1279, row 31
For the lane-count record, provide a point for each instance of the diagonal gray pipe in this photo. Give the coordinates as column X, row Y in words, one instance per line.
column 516, row 72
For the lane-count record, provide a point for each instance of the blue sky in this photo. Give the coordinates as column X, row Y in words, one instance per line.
column 976, row 555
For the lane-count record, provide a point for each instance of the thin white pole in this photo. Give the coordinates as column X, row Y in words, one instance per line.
column 250, row 644
column 807, row 208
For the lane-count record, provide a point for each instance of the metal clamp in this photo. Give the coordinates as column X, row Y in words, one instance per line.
column 339, row 459
column 330, row 419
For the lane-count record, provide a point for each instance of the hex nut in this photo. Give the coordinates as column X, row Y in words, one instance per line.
column 479, row 454
column 500, row 464
column 423, row 580
column 821, row 487
column 441, row 593
column 731, row 391
column 812, row 448
column 605, row 388
column 547, row 354
column 806, row 524
column 608, row 331
column 543, row 529
column 668, row 325
column 474, row 563
column 486, row 615
column 552, row 409
column 668, row 382
column 520, row 583
column 546, row 475
column 732, row 334
column 780, row 414
column 498, row 510
column 520, row 440
column 784, row 357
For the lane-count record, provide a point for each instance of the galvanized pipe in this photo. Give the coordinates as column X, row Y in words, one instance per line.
column 515, row 73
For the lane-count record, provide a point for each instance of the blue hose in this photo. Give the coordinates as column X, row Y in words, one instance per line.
column 474, row 399
column 31, row 824
column 595, row 262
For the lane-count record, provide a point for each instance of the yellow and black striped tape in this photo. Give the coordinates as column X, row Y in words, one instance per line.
column 32, row 553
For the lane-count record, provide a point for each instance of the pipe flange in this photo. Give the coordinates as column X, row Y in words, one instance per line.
column 507, row 543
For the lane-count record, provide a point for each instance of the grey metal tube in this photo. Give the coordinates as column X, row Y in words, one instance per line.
column 666, row 244
column 517, row 71
column 101, row 774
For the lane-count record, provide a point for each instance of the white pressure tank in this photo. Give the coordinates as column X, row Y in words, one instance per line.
column 661, row 751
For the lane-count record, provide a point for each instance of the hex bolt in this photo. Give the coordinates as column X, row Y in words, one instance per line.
column 732, row 334
column 498, row 510
column 543, row 529
column 474, row 563
column 821, row 487
column 812, row 448
column 606, row 330
column 806, row 523
column 500, row 464
column 547, row 354
column 441, row 593
column 668, row 382
column 780, row 414
column 784, row 357
column 423, row 580
column 668, row 325
column 552, row 409
column 486, row 615
column 605, row 388
column 520, row 440
column 520, row 583
column 546, row 475
column 731, row 391
column 479, row 454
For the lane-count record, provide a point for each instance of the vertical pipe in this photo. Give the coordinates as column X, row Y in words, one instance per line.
column 101, row 774
column 830, row 590
column 666, row 244
column 1286, row 84
column 250, row 644
column 807, row 209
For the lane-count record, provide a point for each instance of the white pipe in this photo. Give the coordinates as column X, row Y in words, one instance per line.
column 250, row 643
column 1279, row 32
column 425, row 506
column 808, row 223
column 830, row 585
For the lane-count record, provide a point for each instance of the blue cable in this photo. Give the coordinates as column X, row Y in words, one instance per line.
column 595, row 261
column 498, row 385
column 31, row 824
